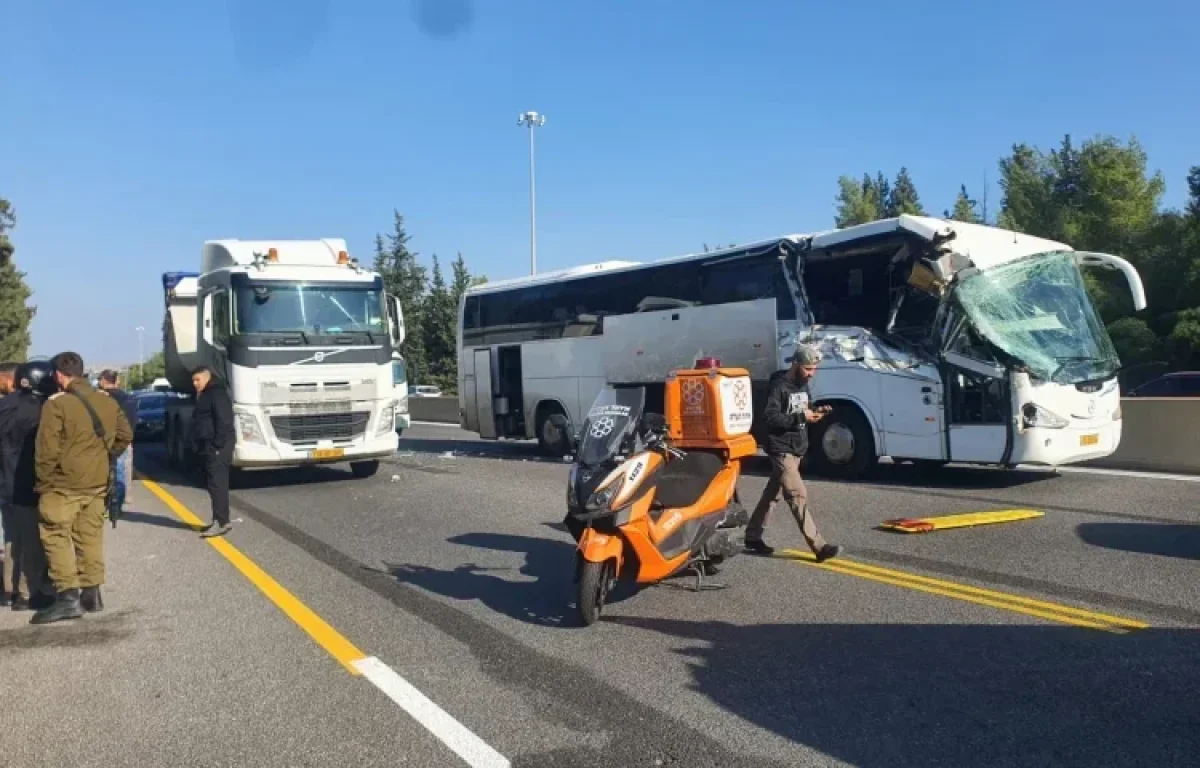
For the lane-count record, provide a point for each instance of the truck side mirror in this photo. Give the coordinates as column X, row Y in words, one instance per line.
column 395, row 320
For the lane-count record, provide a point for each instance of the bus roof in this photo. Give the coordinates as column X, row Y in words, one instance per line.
column 985, row 246
column 587, row 270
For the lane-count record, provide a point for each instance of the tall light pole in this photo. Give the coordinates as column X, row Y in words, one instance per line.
column 141, row 356
column 532, row 120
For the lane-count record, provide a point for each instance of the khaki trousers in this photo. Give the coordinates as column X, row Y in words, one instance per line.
column 785, row 480
column 72, row 533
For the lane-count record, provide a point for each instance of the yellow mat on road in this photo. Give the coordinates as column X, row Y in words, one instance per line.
column 927, row 524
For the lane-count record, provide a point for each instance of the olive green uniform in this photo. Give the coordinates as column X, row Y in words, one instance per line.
column 72, row 478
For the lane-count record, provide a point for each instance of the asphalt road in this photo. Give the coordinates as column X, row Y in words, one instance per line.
column 450, row 567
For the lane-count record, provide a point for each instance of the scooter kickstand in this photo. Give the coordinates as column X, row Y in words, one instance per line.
column 698, row 568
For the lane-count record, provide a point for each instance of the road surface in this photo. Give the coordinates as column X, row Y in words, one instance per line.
column 1071, row 639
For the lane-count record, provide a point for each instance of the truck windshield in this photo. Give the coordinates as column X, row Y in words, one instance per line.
column 308, row 308
column 1037, row 310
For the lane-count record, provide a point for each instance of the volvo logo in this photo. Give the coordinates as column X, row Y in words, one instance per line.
column 319, row 357
column 1091, row 407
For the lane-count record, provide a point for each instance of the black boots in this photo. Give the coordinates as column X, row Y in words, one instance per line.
column 90, row 600
column 66, row 606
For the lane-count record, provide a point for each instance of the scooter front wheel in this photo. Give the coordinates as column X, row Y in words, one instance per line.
column 593, row 591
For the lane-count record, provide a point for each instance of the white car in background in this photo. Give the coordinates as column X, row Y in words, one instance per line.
column 424, row 391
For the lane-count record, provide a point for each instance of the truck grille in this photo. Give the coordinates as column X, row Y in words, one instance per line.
column 309, row 428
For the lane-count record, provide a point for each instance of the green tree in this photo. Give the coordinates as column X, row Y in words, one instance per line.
column 15, row 311
column 140, row 377
column 440, row 332
column 860, row 202
column 965, row 208
column 407, row 280
column 902, row 198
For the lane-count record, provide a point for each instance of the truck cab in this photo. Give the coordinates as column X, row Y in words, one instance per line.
column 306, row 341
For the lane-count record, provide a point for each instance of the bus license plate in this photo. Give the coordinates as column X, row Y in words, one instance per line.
column 1089, row 439
column 327, row 453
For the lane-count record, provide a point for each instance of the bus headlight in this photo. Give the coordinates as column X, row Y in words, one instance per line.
column 1037, row 416
column 387, row 419
column 247, row 427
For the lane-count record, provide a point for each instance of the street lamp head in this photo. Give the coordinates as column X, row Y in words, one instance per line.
column 531, row 119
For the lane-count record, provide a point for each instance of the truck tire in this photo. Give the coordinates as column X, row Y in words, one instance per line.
column 842, row 444
column 364, row 469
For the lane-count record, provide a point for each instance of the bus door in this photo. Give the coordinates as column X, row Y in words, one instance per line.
column 978, row 409
column 484, row 409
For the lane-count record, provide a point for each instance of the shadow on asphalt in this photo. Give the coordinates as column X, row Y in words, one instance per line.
column 1181, row 541
column 545, row 596
column 162, row 521
column 155, row 456
column 898, row 695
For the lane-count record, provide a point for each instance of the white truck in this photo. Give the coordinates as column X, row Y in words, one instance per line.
column 307, row 342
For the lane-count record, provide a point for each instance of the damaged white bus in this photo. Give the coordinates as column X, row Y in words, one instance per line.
column 943, row 341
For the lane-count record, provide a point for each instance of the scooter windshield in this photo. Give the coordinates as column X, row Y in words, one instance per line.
column 615, row 413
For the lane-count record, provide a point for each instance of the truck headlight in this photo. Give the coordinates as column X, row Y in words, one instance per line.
column 1037, row 416
column 387, row 419
column 247, row 427
column 402, row 405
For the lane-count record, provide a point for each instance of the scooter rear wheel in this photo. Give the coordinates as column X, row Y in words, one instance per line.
column 593, row 591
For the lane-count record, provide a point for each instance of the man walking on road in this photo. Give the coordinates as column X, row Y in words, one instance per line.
column 788, row 414
column 80, row 434
column 108, row 385
column 213, row 436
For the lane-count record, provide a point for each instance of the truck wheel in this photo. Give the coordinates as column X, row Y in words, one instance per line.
column 364, row 469
column 842, row 444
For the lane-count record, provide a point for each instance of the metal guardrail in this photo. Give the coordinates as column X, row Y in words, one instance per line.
column 1157, row 434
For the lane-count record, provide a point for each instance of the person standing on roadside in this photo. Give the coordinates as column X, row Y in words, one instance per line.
column 18, row 439
column 9, row 570
column 788, row 413
column 80, row 434
column 109, row 380
column 213, row 438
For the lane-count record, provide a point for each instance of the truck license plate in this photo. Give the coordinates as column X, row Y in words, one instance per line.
column 1089, row 439
column 327, row 453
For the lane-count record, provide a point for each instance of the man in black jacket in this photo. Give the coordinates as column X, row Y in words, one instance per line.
column 788, row 413
column 213, row 437
column 18, row 439
column 11, row 571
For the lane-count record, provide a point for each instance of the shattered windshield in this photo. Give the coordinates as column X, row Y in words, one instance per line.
column 1038, row 311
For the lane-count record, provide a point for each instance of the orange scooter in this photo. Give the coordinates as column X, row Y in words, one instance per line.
column 650, row 496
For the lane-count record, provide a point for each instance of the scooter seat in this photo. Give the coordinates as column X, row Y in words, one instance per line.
column 683, row 481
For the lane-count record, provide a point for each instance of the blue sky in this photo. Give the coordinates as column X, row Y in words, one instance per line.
column 133, row 131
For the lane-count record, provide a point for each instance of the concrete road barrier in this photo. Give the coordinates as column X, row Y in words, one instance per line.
column 443, row 410
column 1158, row 434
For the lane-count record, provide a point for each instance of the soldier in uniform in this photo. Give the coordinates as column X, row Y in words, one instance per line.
column 80, row 433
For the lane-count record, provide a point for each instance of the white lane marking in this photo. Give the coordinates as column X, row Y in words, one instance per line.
column 472, row 749
column 1125, row 473
column 445, row 424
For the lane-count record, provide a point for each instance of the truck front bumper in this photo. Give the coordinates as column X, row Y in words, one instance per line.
column 252, row 455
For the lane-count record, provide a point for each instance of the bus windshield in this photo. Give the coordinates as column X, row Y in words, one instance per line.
column 1037, row 310
column 277, row 307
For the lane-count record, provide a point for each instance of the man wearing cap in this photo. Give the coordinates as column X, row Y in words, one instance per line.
column 787, row 414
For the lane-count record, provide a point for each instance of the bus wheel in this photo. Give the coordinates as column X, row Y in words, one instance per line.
column 553, row 430
column 842, row 444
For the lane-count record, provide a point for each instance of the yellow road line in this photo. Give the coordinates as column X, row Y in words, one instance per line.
column 1064, row 614
column 322, row 634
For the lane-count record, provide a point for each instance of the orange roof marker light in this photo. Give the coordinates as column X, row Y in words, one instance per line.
column 343, row 257
column 273, row 254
